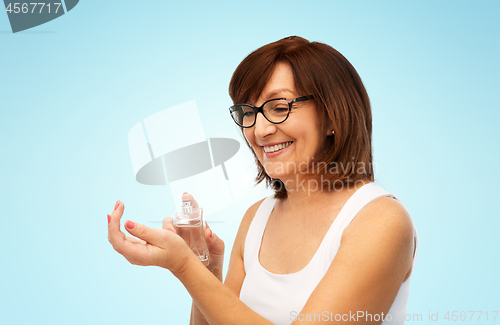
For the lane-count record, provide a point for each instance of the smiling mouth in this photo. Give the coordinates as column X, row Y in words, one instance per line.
column 270, row 149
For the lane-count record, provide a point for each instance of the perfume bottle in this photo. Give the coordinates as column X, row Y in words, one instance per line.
column 190, row 225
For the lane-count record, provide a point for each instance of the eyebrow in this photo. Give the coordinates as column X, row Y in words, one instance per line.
column 277, row 91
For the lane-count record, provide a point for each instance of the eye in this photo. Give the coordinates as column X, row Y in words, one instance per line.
column 279, row 105
column 247, row 112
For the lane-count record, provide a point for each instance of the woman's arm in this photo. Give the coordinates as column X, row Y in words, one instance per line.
column 217, row 302
column 375, row 257
column 162, row 247
column 236, row 271
column 216, row 248
column 366, row 274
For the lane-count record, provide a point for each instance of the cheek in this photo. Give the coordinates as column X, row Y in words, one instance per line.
column 249, row 137
column 309, row 142
column 246, row 135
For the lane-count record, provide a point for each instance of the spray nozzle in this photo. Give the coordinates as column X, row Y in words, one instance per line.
column 187, row 208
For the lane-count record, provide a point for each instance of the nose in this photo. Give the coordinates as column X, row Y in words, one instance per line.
column 263, row 127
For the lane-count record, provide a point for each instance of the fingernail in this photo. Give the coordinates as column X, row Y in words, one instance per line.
column 184, row 193
column 109, row 218
column 117, row 204
column 129, row 224
column 211, row 233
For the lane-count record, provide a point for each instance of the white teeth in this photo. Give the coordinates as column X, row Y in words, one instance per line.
column 277, row 147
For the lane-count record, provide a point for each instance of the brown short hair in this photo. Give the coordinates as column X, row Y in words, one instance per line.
column 340, row 97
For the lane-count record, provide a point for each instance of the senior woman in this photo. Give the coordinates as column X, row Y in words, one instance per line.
column 331, row 245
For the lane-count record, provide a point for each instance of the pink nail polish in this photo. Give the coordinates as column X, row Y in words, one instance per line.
column 129, row 224
column 211, row 233
column 109, row 218
column 117, row 204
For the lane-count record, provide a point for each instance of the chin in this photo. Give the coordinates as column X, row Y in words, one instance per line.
column 276, row 175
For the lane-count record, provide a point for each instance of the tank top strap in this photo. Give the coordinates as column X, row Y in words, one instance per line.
column 358, row 201
column 255, row 232
column 331, row 242
column 364, row 195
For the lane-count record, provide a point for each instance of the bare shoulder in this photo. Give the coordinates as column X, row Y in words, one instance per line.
column 374, row 258
column 386, row 223
column 385, row 215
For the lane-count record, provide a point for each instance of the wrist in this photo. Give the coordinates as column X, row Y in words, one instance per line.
column 182, row 270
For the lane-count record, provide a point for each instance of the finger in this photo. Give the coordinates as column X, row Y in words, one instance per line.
column 168, row 224
column 208, row 231
column 188, row 197
column 127, row 246
column 151, row 235
column 117, row 214
column 214, row 243
column 137, row 252
column 135, row 240
column 115, row 235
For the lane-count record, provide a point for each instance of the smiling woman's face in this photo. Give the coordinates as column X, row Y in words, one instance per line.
column 302, row 129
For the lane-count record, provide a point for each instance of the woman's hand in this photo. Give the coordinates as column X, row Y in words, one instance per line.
column 214, row 243
column 160, row 247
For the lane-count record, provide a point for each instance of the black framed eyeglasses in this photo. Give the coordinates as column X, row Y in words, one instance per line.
column 274, row 110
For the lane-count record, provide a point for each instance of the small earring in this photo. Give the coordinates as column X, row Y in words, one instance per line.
column 331, row 134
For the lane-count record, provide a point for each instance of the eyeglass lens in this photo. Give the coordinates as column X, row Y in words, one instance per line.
column 275, row 111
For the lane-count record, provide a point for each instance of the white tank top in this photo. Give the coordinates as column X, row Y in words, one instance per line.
column 281, row 297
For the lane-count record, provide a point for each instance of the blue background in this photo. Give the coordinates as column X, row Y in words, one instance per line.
column 71, row 89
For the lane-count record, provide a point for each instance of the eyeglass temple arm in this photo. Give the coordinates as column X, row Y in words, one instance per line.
column 301, row 99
